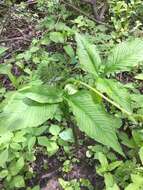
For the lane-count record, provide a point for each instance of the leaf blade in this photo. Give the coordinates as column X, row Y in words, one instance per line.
column 116, row 91
column 43, row 94
column 21, row 112
column 88, row 55
column 94, row 121
column 124, row 56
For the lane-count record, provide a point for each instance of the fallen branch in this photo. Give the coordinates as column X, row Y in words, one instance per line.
column 85, row 14
column 14, row 39
column 94, row 6
column 103, row 10
column 49, row 175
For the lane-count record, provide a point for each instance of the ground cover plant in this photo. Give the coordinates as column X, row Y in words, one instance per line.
column 71, row 110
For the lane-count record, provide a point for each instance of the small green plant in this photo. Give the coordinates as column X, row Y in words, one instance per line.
column 137, row 182
column 67, row 166
column 93, row 151
column 126, row 16
column 6, row 70
column 17, row 151
column 75, row 185
column 12, row 161
column 127, row 175
column 105, row 166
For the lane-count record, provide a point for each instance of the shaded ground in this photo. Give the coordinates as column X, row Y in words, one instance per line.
column 48, row 178
column 16, row 34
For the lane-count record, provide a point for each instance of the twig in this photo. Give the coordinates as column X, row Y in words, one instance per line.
column 13, row 52
column 83, row 13
column 94, row 6
column 49, row 175
column 31, row 2
column 95, row 11
column 14, row 39
column 103, row 10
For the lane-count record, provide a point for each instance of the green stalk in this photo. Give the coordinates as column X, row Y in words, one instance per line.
column 129, row 114
column 105, row 98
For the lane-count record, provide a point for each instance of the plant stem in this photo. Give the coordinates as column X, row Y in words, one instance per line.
column 105, row 98
column 70, row 122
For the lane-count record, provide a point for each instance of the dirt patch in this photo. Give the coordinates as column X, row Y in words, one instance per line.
column 16, row 36
column 48, row 178
column 125, row 77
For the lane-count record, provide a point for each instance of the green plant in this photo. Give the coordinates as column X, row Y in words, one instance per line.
column 17, row 151
column 75, row 185
column 6, row 70
column 67, row 166
column 12, row 160
column 137, row 182
column 123, row 173
column 128, row 175
column 110, row 183
column 126, row 16
column 106, row 167
column 35, row 104
column 62, row 98
column 93, row 151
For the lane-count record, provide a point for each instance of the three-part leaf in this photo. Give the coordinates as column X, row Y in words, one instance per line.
column 94, row 121
column 88, row 55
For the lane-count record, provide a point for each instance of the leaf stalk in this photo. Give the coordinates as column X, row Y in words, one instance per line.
column 129, row 114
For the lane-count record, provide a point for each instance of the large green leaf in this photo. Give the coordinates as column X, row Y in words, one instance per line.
column 116, row 91
column 88, row 55
column 21, row 112
column 125, row 56
column 43, row 93
column 94, row 121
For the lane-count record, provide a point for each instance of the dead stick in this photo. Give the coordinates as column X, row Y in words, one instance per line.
column 16, row 38
column 103, row 10
column 83, row 13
